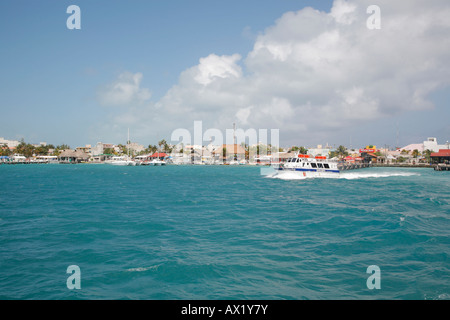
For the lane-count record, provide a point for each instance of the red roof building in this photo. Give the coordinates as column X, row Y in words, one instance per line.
column 159, row 155
column 441, row 153
column 443, row 156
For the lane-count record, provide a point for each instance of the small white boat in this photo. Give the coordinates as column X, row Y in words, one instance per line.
column 157, row 162
column 121, row 161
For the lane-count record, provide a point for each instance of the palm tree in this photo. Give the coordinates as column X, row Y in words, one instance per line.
column 341, row 151
column 415, row 153
column 162, row 143
column 427, row 153
column 4, row 150
column 303, row 150
column 152, row 148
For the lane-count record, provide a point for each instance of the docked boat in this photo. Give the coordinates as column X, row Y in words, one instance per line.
column 320, row 166
column 121, row 161
column 157, row 162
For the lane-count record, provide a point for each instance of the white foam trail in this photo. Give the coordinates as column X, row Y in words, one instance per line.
column 342, row 175
column 364, row 175
column 141, row 269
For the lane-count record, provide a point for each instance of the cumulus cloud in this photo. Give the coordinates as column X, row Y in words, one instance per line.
column 124, row 91
column 312, row 71
column 213, row 67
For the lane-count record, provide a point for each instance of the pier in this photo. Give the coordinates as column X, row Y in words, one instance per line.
column 442, row 167
column 352, row 166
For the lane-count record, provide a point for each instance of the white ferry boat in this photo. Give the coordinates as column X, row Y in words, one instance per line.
column 319, row 166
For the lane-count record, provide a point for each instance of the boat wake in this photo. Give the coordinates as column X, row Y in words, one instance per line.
column 342, row 175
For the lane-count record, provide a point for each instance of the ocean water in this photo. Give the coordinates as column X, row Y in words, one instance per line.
column 222, row 232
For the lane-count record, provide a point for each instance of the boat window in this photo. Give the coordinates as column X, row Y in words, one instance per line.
column 320, row 165
column 289, row 160
column 298, row 160
column 326, row 165
column 313, row 165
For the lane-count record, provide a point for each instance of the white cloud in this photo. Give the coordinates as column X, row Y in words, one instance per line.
column 213, row 67
column 311, row 72
column 124, row 91
column 343, row 11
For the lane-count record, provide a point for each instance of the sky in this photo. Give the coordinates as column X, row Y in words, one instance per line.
column 314, row 70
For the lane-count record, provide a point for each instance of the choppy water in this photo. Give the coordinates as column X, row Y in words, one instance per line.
column 221, row 232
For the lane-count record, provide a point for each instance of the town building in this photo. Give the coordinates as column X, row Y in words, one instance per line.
column 442, row 156
column 135, row 148
column 229, row 152
column 99, row 148
column 9, row 143
column 73, row 156
column 319, row 151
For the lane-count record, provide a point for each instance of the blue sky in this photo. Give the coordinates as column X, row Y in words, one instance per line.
column 52, row 78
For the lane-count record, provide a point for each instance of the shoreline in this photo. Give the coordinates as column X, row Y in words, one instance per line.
column 396, row 165
column 430, row 166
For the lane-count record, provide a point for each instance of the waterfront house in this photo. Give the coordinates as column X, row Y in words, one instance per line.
column 72, row 156
column 229, row 152
column 443, row 156
column 159, row 155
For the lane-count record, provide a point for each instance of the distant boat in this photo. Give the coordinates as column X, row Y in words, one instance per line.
column 123, row 160
column 157, row 162
column 157, row 159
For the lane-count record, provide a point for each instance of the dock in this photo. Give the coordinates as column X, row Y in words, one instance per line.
column 353, row 166
column 442, row 167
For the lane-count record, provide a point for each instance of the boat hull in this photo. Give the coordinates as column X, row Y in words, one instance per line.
column 122, row 163
column 309, row 173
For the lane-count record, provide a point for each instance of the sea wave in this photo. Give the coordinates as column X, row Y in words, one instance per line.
column 142, row 269
column 343, row 175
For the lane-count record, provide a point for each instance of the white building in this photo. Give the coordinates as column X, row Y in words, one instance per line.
column 135, row 148
column 319, row 151
column 100, row 147
column 429, row 144
column 9, row 143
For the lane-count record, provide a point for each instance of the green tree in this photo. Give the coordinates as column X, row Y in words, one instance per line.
column 42, row 150
column 415, row 153
column 427, row 153
column 152, row 148
column 341, row 151
column 161, row 143
column 109, row 151
column 25, row 149
column 5, row 151
column 63, row 147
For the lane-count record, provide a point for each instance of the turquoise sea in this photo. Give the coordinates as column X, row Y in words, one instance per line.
column 222, row 232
